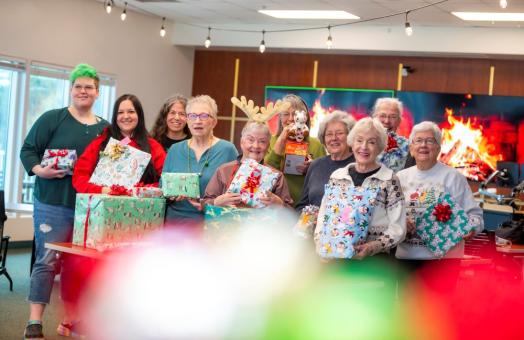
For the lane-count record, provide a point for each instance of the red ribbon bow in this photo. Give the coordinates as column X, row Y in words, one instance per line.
column 118, row 190
column 392, row 143
column 58, row 153
column 442, row 212
column 252, row 183
column 142, row 185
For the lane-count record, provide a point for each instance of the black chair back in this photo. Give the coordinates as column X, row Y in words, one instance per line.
column 3, row 216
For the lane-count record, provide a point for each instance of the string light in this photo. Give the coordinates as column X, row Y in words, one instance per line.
column 503, row 4
column 124, row 12
column 108, row 5
column 409, row 29
column 329, row 41
column 163, row 28
column 262, row 47
column 207, row 43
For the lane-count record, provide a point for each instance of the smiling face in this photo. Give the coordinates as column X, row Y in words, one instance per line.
column 366, row 147
column 335, row 138
column 424, row 148
column 200, row 120
column 84, row 93
column 287, row 117
column 127, row 118
column 254, row 144
column 388, row 115
column 176, row 118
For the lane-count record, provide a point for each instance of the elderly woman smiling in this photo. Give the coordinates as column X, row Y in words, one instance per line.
column 333, row 132
column 203, row 153
column 254, row 144
column 367, row 139
column 430, row 174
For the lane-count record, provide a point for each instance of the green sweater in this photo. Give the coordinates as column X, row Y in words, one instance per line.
column 56, row 129
column 294, row 182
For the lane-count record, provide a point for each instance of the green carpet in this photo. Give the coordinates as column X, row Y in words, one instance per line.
column 14, row 310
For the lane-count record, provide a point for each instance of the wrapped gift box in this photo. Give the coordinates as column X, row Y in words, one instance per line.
column 62, row 159
column 443, row 225
column 396, row 153
column 307, row 221
column 120, row 164
column 181, row 184
column 345, row 220
column 104, row 221
column 220, row 218
column 251, row 181
column 147, row 192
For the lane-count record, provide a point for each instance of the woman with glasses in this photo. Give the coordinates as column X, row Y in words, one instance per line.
column 276, row 152
column 332, row 132
column 128, row 122
column 396, row 155
column 203, row 153
column 171, row 123
column 368, row 182
column 254, row 144
column 431, row 178
column 70, row 128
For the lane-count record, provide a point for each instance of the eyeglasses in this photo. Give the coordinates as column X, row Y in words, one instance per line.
column 337, row 134
column 180, row 114
column 87, row 88
column 202, row 116
column 427, row 141
column 385, row 116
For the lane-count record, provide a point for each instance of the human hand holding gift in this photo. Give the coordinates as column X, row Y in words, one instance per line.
column 48, row 172
column 229, row 199
column 59, row 159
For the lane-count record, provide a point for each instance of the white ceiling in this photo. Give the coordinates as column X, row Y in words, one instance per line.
column 233, row 13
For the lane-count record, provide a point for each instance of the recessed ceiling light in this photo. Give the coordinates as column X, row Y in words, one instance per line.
column 487, row 16
column 309, row 14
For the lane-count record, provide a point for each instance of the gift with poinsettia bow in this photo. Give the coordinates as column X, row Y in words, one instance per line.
column 253, row 180
column 62, row 159
column 443, row 225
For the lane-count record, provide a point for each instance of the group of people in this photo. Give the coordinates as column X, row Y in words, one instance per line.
column 367, row 153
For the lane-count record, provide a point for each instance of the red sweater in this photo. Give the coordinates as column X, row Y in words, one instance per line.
column 86, row 163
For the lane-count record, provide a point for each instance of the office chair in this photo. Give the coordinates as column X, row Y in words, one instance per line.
column 4, row 241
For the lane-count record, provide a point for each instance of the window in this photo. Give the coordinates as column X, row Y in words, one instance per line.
column 48, row 87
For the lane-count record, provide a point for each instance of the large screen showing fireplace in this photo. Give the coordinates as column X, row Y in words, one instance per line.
column 478, row 130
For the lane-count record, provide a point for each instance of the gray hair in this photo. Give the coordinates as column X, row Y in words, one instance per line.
column 297, row 104
column 256, row 126
column 426, row 126
column 367, row 124
column 176, row 98
column 388, row 101
column 205, row 100
column 334, row 117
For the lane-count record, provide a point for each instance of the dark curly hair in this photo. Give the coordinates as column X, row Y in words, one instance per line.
column 159, row 129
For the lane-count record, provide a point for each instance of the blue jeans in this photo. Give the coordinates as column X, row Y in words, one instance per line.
column 52, row 223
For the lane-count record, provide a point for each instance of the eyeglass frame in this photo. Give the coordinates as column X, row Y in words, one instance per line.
column 427, row 141
column 203, row 116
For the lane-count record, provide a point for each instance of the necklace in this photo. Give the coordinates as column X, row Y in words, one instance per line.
column 206, row 162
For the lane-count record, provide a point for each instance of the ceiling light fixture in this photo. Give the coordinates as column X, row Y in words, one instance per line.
column 489, row 16
column 329, row 41
column 335, row 15
column 503, row 4
column 163, row 28
column 108, row 4
column 124, row 13
column 408, row 28
column 262, row 47
column 207, row 43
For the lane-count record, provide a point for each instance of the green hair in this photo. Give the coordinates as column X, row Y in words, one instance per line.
column 84, row 70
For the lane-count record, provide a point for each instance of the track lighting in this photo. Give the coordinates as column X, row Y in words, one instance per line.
column 329, row 41
column 163, row 28
column 503, row 4
column 262, row 47
column 409, row 29
column 108, row 4
column 207, row 43
column 124, row 13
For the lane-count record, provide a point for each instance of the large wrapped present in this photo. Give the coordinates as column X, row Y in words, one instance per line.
column 62, row 159
column 307, row 221
column 346, row 219
column 253, row 180
column 120, row 164
column 443, row 225
column 105, row 221
column 396, row 153
column 181, row 184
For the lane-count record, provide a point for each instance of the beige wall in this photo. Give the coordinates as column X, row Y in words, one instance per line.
column 67, row 32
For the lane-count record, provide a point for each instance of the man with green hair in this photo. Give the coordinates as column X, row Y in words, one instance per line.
column 70, row 128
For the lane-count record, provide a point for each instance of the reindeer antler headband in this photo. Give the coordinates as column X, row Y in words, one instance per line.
column 252, row 111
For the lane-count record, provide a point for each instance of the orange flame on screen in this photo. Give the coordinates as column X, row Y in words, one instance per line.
column 465, row 147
